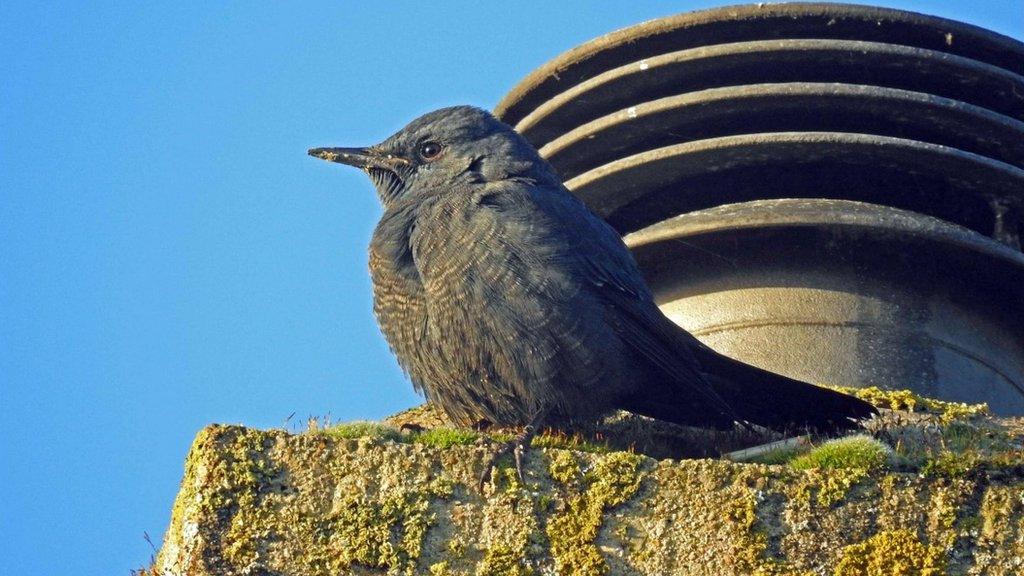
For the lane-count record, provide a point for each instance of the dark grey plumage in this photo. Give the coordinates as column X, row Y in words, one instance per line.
column 506, row 300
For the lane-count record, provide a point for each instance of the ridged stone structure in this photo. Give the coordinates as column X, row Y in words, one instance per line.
column 834, row 192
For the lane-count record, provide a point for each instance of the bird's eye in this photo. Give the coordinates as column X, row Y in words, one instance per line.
column 430, row 150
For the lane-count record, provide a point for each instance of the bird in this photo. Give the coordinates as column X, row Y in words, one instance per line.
column 509, row 303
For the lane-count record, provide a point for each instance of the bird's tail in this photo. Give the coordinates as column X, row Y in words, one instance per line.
column 778, row 402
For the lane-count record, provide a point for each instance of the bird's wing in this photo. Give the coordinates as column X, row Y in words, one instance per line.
column 637, row 318
column 607, row 267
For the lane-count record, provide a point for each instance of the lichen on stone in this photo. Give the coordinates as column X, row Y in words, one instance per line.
column 367, row 501
column 1000, row 549
column 573, row 531
column 502, row 561
column 912, row 402
column 563, row 466
column 439, row 568
column 827, row 487
column 385, row 530
column 891, row 553
column 509, row 526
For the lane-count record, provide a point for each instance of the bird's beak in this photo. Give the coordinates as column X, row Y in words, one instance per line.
column 358, row 157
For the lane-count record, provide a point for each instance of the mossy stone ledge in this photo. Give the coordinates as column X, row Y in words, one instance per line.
column 379, row 500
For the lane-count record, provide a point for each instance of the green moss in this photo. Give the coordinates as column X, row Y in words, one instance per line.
column 572, row 533
column 780, row 456
column 967, row 448
column 963, row 436
column 350, row 430
column 891, row 553
column 445, row 437
column 554, row 439
column 837, row 466
column 951, row 449
column 949, row 465
column 545, row 503
column 853, row 452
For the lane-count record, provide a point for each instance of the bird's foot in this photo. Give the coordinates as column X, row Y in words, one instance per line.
column 482, row 425
column 412, row 427
column 518, row 447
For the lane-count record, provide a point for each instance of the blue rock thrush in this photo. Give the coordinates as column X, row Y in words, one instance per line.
column 507, row 301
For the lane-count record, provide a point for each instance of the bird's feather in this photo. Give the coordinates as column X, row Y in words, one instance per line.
column 506, row 299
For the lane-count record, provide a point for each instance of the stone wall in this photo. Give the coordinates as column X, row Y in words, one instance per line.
column 389, row 502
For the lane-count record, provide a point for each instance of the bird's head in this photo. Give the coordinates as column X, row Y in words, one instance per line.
column 442, row 149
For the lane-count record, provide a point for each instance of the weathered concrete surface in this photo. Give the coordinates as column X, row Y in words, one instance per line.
column 274, row 503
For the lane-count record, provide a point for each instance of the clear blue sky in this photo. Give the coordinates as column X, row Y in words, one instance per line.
column 169, row 255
